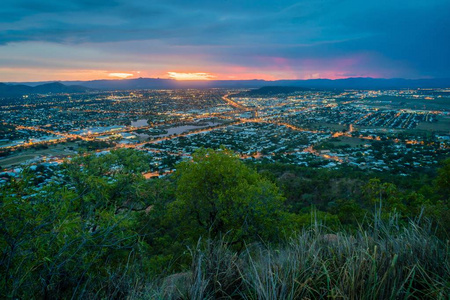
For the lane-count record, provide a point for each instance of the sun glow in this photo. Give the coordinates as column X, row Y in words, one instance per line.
column 120, row 75
column 190, row 76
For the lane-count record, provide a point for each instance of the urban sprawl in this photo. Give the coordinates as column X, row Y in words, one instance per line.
column 391, row 130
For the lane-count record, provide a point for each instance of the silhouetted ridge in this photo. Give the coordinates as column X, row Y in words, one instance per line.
column 9, row 90
column 273, row 91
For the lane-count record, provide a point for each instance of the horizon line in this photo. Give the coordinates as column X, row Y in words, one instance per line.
column 212, row 80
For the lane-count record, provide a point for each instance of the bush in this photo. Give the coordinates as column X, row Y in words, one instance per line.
column 217, row 194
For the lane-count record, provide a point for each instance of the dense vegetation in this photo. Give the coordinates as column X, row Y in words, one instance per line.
column 219, row 228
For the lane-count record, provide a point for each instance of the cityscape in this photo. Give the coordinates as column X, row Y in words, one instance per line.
column 202, row 150
column 380, row 130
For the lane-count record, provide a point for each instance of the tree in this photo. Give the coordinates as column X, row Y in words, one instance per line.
column 384, row 195
column 217, row 194
column 443, row 181
column 109, row 180
column 50, row 251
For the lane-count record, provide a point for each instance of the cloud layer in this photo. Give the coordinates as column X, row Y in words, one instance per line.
column 271, row 39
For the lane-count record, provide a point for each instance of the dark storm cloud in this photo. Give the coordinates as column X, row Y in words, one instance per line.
column 410, row 33
column 204, row 21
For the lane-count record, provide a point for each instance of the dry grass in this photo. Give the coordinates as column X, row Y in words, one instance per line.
column 382, row 261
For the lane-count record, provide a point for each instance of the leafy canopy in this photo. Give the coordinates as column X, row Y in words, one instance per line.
column 217, row 194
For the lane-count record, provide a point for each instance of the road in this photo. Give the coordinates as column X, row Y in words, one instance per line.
column 226, row 98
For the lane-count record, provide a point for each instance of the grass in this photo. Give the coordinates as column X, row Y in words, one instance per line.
column 333, row 126
column 352, row 141
column 382, row 261
column 442, row 125
column 406, row 103
column 17, row 158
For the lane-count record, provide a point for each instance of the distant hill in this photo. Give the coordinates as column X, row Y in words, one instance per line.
column 159, row 83
column 366, row 83
column 7, row 90
column 11, row 90
column 273, row 91
column 348, row 83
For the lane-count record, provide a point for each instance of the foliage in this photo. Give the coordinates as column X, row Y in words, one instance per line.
column 217, row 195
column 112, row 180
column 219, row 228
column 443, row 181
column 49, row 250
column 56, row 245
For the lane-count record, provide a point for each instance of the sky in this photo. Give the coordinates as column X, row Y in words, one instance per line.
column 223, row 39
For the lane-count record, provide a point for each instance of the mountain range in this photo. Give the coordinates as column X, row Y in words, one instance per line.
column 18, row 89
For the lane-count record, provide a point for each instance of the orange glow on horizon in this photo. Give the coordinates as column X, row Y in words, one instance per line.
column 227, row 73
column 120, row 75
column 190, row 76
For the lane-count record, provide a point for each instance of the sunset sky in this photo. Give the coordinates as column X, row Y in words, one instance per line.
column 223, row 39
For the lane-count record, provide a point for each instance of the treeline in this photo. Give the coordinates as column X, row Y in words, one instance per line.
column 219, row 228
column 348, row 194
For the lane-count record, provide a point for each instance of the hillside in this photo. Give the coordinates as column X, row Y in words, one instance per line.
column 220, row 229
column 10, row 90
